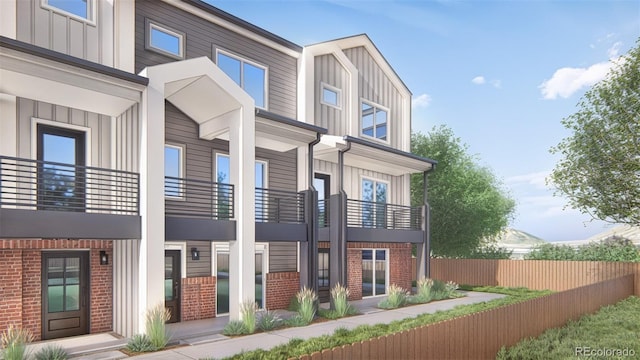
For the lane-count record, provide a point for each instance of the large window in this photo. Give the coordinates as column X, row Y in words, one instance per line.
column 79, row 9
column 374, row 196
column 173, row 171
column 165, row 40
column 374, row 272
column 374, row 121
column 251, row 76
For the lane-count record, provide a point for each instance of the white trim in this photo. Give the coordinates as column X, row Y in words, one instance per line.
column 387, row 123
column 91, row 11
column 34, row 136
column 153, row 25
column 324, row 86
column 254, row 63
column 8, row 18
column 181, row 167
column 182, row 247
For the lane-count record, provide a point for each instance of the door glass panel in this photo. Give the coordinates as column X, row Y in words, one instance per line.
column 381, row 272
column 72, row 297
column 259, row 284
column 323, row 269
column 367, row 273
column 55, row 298
column 59, row 181
column 168, row 278
column 222, row 293
column 63, row 284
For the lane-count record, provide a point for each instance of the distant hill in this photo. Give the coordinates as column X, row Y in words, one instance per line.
column 517, row 237
column 626, row 231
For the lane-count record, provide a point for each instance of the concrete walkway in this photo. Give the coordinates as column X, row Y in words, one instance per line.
column 204, row 339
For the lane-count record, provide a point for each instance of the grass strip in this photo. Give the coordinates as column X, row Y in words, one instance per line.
column 298, row 347
column 612, row 332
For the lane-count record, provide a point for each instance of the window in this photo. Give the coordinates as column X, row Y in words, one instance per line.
column 374, row 272
column 374, row 197
column 164, row 40
column 374, row 121
column 173, row 171
column 331, row 96
column 248, row 75
column 79, row 9
column 223, row 176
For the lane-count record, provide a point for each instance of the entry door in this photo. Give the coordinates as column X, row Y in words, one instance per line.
column 65, row 294
column 222, row 278
column 62, row 180
column 323, row 275
column 322, row 182
column 172, row 284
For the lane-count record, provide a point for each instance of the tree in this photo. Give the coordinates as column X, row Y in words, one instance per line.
column 600, row 168
column 612, row 249
column 467, row 201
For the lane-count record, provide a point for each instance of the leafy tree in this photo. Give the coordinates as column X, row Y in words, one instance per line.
column 612, row 249
column 467, row 201
column 491, row 251
column 600, row 169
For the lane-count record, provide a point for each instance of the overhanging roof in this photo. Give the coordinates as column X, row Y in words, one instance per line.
column 370, row 155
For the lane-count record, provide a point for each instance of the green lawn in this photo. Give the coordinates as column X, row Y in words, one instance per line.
column 611, row 333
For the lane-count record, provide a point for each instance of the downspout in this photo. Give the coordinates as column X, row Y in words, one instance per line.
column 427, row 220
column 342, row 235
column 312, row 224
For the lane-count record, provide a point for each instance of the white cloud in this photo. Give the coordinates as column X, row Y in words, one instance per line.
column 478, row 80
column 536, row 179
column 421, row 101
column 614, row 50
column 567, row 81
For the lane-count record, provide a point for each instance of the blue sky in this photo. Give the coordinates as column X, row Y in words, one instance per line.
column 501, row 74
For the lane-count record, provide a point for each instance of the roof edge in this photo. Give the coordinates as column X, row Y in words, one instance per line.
column 356, row 140
column 289, row 121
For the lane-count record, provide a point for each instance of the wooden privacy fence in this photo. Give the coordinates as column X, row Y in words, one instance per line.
column 481, row 335
column 532, row 274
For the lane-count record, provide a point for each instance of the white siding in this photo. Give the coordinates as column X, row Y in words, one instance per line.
column 330, row 71
column 125, row 287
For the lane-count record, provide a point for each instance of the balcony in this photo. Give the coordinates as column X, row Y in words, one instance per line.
column 41, row 199
column 280, row 215
column 367, row 221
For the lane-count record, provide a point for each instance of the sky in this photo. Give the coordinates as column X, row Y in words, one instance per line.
column 500, row 74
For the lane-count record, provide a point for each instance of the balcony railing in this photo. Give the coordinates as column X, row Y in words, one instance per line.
column 323, row 213
column 279, row 206
column 197, row 198
column 43, row 185
column 376, row 215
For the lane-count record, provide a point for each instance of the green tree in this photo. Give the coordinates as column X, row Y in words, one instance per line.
column 467, row 201
column 600, row 168
column 613, row 249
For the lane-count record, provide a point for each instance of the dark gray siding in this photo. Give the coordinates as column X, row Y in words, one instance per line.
column 203, row 37
column 283, row 257
column 202, row 267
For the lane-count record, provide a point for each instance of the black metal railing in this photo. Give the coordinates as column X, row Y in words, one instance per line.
column 198, row 198
column 279, row 206
column 44, row 185
column 323, row 213
column 376, row 215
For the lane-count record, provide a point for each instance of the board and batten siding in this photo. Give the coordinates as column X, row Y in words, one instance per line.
column 353, row 181
column 203, row 38
column 125, row 286
column 126, row 140
column 328, row 70
column 54, row 30
column 199, row 165
column 375, row 86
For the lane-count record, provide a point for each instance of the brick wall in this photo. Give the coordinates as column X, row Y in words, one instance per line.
column 400, row 266
column 281, row 287
column 21, row 267
column 354, row 273
column 198, row 298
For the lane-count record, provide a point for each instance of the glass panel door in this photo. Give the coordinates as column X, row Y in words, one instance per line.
column 259, row 281
column 172, row 278
column 222, row 291
column 374, row 272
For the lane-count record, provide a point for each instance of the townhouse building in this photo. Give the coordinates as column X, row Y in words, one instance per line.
column 167, row 152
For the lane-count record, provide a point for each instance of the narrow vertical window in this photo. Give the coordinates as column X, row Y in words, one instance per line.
column 374, row 197
column 173, row 171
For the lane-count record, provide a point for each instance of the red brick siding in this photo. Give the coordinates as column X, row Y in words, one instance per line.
column 198, row 298
column 281, row 287
column 399, row 265
column 354, row 273
column 24, row 271
column 10, row 288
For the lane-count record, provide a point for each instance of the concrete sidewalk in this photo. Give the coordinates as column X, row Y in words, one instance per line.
column 223, row 346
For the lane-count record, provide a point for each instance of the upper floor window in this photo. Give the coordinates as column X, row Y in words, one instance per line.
column 374, row 121
column 80, row 9
column 249, row 75
column 331, row 96
column 164, row 40
column 173, row 171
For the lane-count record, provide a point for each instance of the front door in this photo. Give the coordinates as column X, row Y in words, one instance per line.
column 172, row 284
column 323, row 275
column 65, row 294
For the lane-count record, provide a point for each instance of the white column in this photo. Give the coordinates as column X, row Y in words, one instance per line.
column 242, row 250
column 151, row 255
column 124, row 13
column 8, row 18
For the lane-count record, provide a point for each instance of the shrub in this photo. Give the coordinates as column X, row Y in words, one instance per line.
column 612, row 249
column 248, row 311
column 14, row 343
column 307, row 304
column 140, row 343
column 296, row 321
column 490, row 251
column 439, row 290
column 234, row 328
column 269, row 320
column 156, row 318
column 397, row 297
column 340, row 296
column 423, row 291
column 51, row 352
